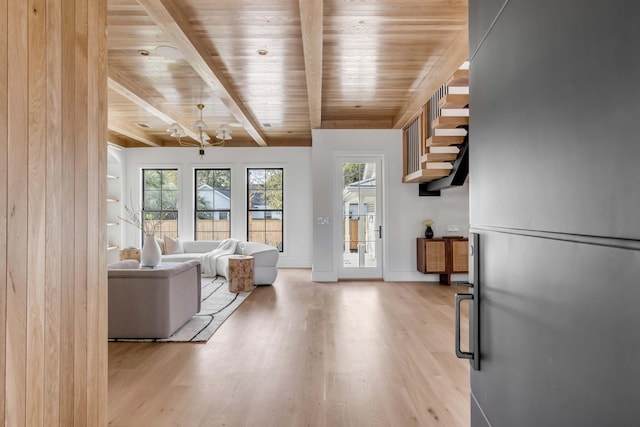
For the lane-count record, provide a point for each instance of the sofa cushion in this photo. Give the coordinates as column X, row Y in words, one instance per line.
column 200, row 246
column 161, row 244
column 268, row 255
column 127, row 264
column 173, row 246
column 181, row 257
column 166, row 269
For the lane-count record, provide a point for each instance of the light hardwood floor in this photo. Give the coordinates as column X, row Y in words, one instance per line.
column 299, row 353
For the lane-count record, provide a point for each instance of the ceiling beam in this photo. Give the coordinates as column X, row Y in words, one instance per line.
column 168, row 16
column 133, row 132
column 118, row 140
column 456, row 53
column 311, row 18
column 153, row 104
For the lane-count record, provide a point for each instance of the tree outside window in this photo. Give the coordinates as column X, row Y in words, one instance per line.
column 213, row 204
column 265, row 216
column 160, row 199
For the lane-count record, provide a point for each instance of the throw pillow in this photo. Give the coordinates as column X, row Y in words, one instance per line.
column 173, row 246
column 161, row 244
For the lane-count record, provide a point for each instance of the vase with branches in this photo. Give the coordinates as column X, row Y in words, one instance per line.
column 151, row 255
column 149, row 227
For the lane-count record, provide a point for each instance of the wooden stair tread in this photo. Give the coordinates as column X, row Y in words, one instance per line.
column 426, row 175
column 438, row 166
column 461, row 73
column 438, row 157
column 459, row 90
column 454, row 112
column 450, row 132
column 444, row 149
column 443, row 140
column 459, row 80
column 448, row 122
column 452, row 100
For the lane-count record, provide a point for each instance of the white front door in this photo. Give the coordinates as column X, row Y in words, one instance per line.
column 360, row 205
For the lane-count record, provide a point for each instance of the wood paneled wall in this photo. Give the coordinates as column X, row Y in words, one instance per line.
column 53, row 286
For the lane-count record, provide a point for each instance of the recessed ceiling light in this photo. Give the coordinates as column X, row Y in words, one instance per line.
column 168, row 52
column 263, row 52
column 235, row 125
column 144, row 52
column 143, row 125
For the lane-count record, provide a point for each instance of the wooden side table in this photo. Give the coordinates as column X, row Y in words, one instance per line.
column 130, row 254
column 240, row 273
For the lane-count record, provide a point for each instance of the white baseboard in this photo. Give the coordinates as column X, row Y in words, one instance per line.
column 410, row 276
column 416, row 276
column 294, row 263
column 392, row 276
column 324, row 276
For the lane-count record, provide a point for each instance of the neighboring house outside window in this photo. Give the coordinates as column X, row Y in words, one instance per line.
column 212, row 204
column 160, row 200
column 265, row 216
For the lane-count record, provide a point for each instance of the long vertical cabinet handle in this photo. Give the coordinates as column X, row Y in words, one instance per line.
column 461, row 354
column 474, row 306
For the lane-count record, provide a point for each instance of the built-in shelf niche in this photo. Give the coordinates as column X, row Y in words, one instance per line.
column 114, row 207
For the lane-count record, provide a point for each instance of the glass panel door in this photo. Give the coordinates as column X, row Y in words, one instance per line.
column 361, row 219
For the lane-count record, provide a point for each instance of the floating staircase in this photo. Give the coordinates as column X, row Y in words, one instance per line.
column 443, row 137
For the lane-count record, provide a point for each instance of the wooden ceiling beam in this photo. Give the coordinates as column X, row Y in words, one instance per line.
column 133, row 133
column 169, row 17
column 118, row 140
column 457, row 52
column 151, row 103
column 311, row 18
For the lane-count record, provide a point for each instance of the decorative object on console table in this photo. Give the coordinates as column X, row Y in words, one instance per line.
column 428, row 233
column 130, row 253
column 240, row 273
column 444, row 256
column 151, row 253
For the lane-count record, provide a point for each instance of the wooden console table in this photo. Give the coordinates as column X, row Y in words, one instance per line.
column 444, row 256
column 240, row 273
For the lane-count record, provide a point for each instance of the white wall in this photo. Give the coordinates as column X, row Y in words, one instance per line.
column 404, row 211
column 296, row 162
column 310, row 193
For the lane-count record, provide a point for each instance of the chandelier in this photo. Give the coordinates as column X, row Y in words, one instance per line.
column 201, row 138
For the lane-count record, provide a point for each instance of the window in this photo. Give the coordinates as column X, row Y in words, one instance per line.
column 160, row 200
column 213, row 204
column 265, row 214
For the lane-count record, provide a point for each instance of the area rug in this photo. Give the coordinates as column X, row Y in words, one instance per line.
column 216, row 306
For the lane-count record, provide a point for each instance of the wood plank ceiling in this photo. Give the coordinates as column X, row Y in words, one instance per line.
column 361, row 64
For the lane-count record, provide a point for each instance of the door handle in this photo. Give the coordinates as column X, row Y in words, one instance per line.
column 379, row 230
column 474, row 330
column 474, row 306
column 459, row 353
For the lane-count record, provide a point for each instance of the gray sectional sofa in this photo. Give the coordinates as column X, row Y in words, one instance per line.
column 265, row 263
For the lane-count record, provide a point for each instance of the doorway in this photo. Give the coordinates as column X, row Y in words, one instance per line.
column 360, row 232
